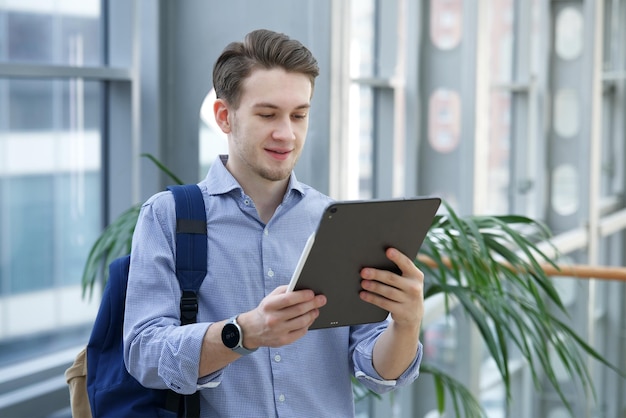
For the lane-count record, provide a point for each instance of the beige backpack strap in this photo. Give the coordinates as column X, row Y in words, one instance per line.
column 76, row 377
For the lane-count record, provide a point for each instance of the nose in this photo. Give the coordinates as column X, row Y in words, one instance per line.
column 284, row 130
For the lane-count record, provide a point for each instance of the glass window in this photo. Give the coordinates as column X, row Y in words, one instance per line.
column 50, row 200
column 502, row 37
column 359, row 162
column 362, row 41
column 362, row 127
column 51, row 32
column 360, row 171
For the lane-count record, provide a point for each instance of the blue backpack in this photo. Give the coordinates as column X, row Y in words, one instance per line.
column 112, row 391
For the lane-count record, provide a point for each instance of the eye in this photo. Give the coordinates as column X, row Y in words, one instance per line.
column 266, row 115
column 300, row 116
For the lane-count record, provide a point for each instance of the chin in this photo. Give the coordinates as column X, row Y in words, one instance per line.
column 278, row 176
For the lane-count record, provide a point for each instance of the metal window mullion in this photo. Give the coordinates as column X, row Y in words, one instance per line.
column 135, row 107
column 542, row 110
column 339, row 99
column 383, row 146
column 9, row 70
column 594, row 16
column 386, row 35
column 523, row 136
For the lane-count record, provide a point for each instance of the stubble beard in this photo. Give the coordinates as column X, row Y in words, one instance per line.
column 248, row 155
column 255, row 165
column 277, row 174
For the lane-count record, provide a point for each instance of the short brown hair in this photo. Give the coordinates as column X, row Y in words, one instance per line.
column 260, row 49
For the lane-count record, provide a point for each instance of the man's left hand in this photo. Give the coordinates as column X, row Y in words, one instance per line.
column 401, row 295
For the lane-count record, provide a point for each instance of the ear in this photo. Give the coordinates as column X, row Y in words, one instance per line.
column 222, row 112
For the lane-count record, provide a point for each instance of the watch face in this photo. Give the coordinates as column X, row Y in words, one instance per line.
column 230, row 335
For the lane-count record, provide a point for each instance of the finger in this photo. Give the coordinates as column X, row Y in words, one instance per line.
column 280, row 299
column 378, row 300
column 384, row 277
column 295, row 322
column 302, row 309
column 296, row 329
column 282, row 308
column 303, row 322
column 389, row 289
column 404, row 263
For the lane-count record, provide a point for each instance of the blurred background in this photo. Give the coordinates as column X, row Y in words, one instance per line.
column 498, row 106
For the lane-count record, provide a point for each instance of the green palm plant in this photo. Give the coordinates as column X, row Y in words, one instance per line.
column 490, row 265
column 114, row 241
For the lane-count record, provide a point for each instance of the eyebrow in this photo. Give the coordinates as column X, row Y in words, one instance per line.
column 273, row 106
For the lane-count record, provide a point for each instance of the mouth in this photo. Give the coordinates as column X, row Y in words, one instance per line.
column 278, row 154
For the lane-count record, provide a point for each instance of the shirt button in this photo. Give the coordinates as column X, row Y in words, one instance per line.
column 270, row 273
column 246, row 202
column 281, row 398
column 277, row 358
column 266, row 231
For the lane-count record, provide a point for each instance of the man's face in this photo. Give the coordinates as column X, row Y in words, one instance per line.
column 267, row 132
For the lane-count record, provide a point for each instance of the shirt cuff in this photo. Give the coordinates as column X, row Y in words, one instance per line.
column 361, row 375
column 367, row 374
column 180, row 357
column 210, row 381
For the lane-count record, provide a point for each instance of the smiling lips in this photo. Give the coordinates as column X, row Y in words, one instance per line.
column 279, row 154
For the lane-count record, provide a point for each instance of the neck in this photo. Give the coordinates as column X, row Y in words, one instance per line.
column 266, row 194
column 266, row 199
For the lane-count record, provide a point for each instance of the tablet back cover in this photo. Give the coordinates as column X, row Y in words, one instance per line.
column 355, row 234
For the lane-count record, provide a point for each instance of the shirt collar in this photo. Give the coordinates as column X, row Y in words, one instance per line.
column 220, row 181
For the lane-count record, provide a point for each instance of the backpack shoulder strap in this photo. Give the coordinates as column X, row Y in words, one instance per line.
column 191, row 267
column 191, row 247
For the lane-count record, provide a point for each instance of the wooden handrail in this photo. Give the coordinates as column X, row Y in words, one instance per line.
column 580, row 271
column 584, row 271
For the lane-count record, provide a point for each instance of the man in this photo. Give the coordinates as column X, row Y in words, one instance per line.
column 259, row 218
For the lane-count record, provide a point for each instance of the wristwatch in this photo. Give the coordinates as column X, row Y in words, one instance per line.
column 232, row 337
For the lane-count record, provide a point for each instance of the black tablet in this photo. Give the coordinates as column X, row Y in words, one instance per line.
column 352, row 235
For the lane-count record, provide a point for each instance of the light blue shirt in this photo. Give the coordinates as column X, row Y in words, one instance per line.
column 247, row 259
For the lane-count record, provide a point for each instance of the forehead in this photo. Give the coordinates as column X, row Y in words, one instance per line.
column 276, row 87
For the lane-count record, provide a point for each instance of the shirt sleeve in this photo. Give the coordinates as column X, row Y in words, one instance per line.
column 364, row 338
column 158, row 352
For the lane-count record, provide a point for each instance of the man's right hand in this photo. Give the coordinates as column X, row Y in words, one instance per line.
column 281, row 318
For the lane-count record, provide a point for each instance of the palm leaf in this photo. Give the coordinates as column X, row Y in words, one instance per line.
column 461, row 398
column 491, row 265
column 114, row 241
column 163, row 168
